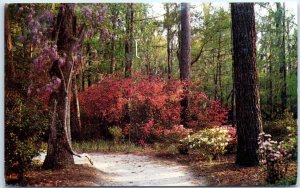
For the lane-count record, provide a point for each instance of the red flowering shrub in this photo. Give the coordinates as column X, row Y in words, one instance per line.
column 147, row 109
column 205, row 112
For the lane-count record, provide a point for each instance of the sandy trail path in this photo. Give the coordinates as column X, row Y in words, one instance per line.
column 136, row 170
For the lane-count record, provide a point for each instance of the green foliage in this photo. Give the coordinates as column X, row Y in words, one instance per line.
column 116, row 133
column 290, row 143
column 211, row 142
column 24, row 127
column 286, row 182
column 278, row 128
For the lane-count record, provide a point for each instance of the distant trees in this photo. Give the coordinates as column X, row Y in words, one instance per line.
column 276, row 60
column 248, row 117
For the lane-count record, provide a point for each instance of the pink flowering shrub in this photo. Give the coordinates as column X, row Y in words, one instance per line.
column 274, row 157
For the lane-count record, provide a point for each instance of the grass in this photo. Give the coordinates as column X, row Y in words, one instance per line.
column 105, row 146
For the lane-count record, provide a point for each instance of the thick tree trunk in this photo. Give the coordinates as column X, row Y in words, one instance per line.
column 129, row 40
column 248, row 117
column 9, row 64
column 185, row 59
column 60, row 153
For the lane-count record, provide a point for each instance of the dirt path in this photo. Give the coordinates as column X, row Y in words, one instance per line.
column 135, row 170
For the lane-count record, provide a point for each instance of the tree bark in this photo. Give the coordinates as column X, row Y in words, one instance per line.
column 185, row 59
column 60, row 153
column 129, row 40
column 248, row 115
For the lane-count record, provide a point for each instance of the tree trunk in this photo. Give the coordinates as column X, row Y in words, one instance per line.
column 185, row 58
column 129, row 40
column 60, row 153
column 283, row 64
column 248, row 117
column 76, row 113
column 270, row 98
column 9, row 64
column 89, row 63
column 169, row 38
column 82, row 80
column 219, row 71
column 113, row 46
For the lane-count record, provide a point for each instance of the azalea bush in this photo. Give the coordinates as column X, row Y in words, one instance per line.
column 25, row 127
column 148, row 109
column 205, row 112
column 211, row 142
column 231, row 147
column 275, row 156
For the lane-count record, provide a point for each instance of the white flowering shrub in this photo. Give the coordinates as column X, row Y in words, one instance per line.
column 211, row 142
column 274, row 156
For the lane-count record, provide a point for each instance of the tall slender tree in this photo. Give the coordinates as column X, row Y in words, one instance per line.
column 129, row 40
column 114, row 18
column 282, row 58
column 185, row 56
column 9, row 64
column 248, row 117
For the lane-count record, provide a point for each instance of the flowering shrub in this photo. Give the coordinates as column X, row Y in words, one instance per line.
column 176, row 133
column 211, row 142
column 205, row 112
column 147, row 109
column 274, row 156
column 233, row 138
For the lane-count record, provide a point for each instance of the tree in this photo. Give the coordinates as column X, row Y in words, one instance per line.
column 169, row 20
column 9, row 64
column 129, row 40
column 282, row 55
column 59, row 152
column 248, row 117
column 114, row 17
column 185, row 56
